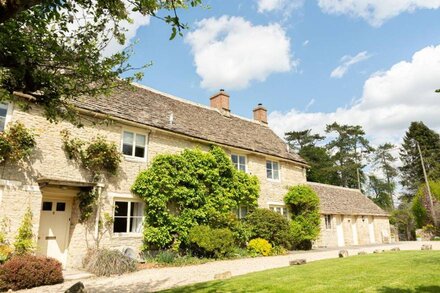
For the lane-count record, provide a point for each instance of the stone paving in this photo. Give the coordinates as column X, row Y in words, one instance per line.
column 150, row 280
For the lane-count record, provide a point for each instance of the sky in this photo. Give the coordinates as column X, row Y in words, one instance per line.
column 372, row 63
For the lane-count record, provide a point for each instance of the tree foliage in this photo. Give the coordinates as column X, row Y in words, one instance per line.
column 349, row 149
column 411, row 169
column 379, row 191
column 24, row 241
column 188, row 189
column 303, row 205
column 321, row 164
column 51, row 51
column 421, row 206
column 384, row 161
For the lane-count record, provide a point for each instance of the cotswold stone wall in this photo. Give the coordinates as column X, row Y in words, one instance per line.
column 19, row 188
column 355, row 230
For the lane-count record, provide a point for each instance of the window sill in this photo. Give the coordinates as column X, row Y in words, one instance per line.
column 134, row 159
column 127, row 235
column 274, row 180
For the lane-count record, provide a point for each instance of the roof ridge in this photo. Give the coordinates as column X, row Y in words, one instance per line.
column 333, row 186
column 192, row 103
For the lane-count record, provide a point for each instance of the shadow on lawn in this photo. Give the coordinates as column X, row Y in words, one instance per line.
column 419, row 289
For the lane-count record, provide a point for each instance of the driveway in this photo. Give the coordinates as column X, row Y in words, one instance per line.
column 150, row 280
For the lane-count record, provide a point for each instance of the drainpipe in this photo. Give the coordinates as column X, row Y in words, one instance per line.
column 98, row 188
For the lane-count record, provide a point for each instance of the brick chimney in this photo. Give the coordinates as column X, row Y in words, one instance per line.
column 260, row 113
column 220, row 101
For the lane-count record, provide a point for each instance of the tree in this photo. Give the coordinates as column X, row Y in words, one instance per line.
column 380, row 190
column 384, row 161
column 321, row 164
column 403, row 218
column 51, row 50
column 189, row 189
column 411, row 169
column 349, row 149
column 421, row 205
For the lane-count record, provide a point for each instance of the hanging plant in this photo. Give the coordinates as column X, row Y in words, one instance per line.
column 16, row 143
column 98, row 156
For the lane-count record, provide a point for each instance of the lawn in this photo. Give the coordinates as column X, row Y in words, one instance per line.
column 390, row 272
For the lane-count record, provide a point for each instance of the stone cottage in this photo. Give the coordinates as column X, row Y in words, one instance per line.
column 144, row 123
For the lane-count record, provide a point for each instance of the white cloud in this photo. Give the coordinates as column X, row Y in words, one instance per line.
column 278, row 5
column 230, row 52
column 348, row 61
column 305, row 43
column 375, row 12
column 390, row 101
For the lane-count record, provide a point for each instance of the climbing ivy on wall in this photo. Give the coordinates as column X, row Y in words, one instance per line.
column 16, row 143
column 303, row 205
column 194, row 187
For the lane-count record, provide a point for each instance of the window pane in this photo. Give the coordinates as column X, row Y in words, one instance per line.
column 242, row 160
column 139, row 152
column 268, row 165
column 269, row 173
column 242, row 168
column 120, row 225
column 47, row 206
column 243, row 212
column 128, row 137
column 275, row 166
column 136, row 225
column 61, row 206
column 136, row 209
column 2, row 123
column 127, row 149
column 121, row 209
column 276, row 174
column 140, row 140
column 3, row 110
column 234, row 159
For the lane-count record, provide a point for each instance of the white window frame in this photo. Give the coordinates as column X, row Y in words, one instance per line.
column 238, row 162
column 8, row 116
column 133, row 157
column 238, row 213
column 283, row 211
column 129, row 201
column 328, row 222
column 279, row 170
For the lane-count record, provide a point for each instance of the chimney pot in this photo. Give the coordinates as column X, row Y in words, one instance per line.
column 260, row 113
column 220, row 101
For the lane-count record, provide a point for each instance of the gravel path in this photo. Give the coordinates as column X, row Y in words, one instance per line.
column 150, row 280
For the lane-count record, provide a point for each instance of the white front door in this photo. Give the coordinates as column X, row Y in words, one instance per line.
column 340, row 230
column 54, row 228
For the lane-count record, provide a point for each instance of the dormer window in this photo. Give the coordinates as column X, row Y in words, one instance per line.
column 239, row 161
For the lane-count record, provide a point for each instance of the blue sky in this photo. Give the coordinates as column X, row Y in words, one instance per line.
column 285, row 54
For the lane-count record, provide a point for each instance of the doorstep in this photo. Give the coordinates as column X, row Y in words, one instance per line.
column 72, row 274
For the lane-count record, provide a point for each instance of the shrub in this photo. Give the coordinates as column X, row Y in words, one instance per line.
column 24, row 242
column 205, row 241
column 421, row 205
column 28, row 271
column 167, row 257
column 5, row 252
column 189, row 189
column 303, row 205
column 16, row 143
column 105, row 262
column 260, row 246
column 267, row 224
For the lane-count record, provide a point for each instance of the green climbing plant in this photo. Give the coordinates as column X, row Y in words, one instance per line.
column 24, row 241
column 16, row 143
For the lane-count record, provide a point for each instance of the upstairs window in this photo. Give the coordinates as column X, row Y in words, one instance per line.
column 328, row 221
column 134, row 144
column 3, row 113
column 241, row 212
column 128, row 217
column 273, row 170
column 239, row 162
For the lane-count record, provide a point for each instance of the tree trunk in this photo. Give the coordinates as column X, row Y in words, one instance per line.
column 10, row 8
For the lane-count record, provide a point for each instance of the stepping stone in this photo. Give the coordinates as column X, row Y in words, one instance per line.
column 76, row 288
column 426, row 247
column 395, row 249
column 222, row 276
column 343, row 253
column 362, row 253
column 297, row 262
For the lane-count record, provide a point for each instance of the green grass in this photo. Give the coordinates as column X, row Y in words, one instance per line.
column 390, row 272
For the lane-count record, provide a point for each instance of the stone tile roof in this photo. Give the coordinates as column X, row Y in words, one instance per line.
column 152, row 108
column 335, row 200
